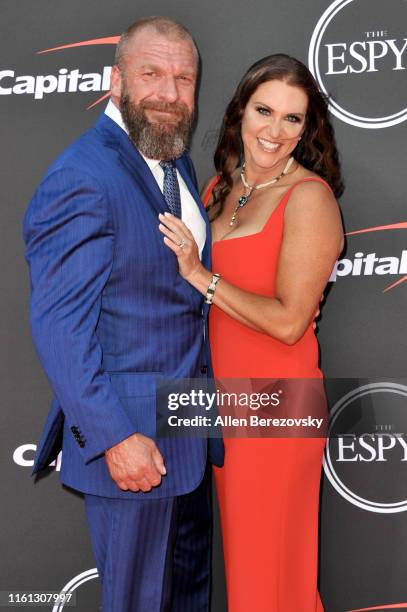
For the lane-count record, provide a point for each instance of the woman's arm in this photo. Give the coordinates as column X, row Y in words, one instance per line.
column 312, row 241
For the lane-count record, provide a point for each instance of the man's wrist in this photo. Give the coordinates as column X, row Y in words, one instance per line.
column 121, row 442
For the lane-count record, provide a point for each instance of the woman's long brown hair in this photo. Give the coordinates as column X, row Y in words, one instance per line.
column 316, row 150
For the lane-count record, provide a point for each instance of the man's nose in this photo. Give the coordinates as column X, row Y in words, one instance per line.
column 168, row 89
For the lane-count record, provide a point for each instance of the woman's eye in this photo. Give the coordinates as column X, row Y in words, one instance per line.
column 293, row 118
column 262, row 110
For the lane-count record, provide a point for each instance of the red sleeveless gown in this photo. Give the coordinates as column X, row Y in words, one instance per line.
column 268, row 489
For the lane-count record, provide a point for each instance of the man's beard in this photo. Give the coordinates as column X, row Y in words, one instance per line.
column 162, row 140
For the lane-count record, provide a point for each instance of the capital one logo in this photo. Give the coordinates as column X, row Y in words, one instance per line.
column 24, row 454
column 62, row 81
column 358, row 55
column 372, row 263
column 366, row 453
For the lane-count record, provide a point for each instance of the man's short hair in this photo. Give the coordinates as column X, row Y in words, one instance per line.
column 162, row 25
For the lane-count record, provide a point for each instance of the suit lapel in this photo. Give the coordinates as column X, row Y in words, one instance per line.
column 132, row 159
column 134, row 162
column 129, row 156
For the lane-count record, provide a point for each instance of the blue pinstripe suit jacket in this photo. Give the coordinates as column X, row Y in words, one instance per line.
column 109, row 311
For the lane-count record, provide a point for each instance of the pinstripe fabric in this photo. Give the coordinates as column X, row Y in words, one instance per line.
column 109, row 311
column 144, row 568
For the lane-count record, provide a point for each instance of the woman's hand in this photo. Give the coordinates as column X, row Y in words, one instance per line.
column 181, row 240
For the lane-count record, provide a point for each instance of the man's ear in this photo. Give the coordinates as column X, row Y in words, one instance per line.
column 116, row 83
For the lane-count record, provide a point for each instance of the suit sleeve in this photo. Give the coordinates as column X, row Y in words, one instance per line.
column 69, row 249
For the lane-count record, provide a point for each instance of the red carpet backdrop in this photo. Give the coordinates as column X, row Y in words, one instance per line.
column 55, row 63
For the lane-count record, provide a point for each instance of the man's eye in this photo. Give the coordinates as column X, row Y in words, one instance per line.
column 149, row 74
column 262, row 110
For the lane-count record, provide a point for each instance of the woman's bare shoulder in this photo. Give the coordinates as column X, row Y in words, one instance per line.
column 309, row 186
column 311, row 199
column 312, row 208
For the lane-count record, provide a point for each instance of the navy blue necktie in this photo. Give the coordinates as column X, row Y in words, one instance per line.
column 171, row 187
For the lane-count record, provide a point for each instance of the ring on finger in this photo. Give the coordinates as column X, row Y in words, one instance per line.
column 182, row 243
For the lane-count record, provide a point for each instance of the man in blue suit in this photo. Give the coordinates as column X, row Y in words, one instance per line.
column 111, row 316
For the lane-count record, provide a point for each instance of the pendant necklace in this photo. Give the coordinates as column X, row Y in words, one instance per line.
column 242, row 201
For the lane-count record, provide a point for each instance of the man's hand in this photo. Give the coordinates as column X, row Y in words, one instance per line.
column 135, row 464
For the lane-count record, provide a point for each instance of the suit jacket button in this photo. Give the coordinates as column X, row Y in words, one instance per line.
column 204, row 369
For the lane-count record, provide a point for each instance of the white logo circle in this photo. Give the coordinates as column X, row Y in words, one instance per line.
column 334, row 107
column 72, row 585
column 341, row 488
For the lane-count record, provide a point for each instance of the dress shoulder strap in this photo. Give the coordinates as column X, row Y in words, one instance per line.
column 309, row 179
column 206, row 196
column 281, row 206
column 285, row 198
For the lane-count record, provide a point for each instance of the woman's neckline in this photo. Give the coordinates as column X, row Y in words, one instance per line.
column 269, row 218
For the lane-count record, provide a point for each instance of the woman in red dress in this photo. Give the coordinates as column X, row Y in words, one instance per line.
column 276, row 231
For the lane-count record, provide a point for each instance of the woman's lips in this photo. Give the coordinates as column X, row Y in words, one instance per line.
column 268, row 145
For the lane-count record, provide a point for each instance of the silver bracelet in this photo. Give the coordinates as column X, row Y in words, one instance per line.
column 211, row 289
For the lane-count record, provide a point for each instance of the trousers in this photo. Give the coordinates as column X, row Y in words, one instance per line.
column 153, row 555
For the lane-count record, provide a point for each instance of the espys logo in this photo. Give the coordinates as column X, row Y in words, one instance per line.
column 64, row 81
column 72, row 585
column 366, row 452
column 369, row 264
column 358, row 54
column 91, row 574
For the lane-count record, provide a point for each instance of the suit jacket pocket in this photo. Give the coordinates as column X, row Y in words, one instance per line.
column 137, row 393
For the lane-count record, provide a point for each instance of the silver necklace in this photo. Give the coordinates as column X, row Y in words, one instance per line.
column 242, row 201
